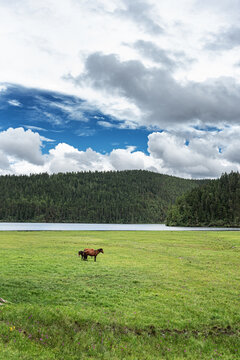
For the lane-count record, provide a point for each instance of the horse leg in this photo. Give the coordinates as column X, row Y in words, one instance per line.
column 95, row 258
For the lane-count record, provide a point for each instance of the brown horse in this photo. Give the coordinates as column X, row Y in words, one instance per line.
column 92, row 252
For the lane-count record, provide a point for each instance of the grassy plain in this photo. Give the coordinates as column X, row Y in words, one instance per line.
column 151, row 295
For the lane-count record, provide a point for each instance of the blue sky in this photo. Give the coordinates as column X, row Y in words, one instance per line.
column 65, row 118
column 134, row 85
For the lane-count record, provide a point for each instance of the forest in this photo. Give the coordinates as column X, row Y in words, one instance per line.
column 216, row 203
column 132, row 196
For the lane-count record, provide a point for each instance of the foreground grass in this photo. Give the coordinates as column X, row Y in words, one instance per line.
column 151, row 295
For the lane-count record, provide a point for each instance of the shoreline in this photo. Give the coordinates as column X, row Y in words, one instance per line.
column 18, row 226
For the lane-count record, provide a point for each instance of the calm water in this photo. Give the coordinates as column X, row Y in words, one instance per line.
column 102, row 227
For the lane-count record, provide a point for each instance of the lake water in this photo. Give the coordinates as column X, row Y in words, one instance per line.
column 102, row 227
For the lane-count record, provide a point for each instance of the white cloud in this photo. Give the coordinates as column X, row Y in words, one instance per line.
column 208, row 154
column 141, row 12
column 3, row 88
column 74, row 111
column 43, row 138
column 14, row 103
column 145, row 84
column 118, row 125
column 52, row 118
column 106, row 124
column 160, row 98
column 167, row 154
column 65, row 158
column 128, row 159
column 4, row 162
column 34, row 128
column 18, row 144
column 85, row 132
column 39, row 44
column 202, row 157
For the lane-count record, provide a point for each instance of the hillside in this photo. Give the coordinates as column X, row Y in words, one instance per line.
column 92, row 197
column 217, row 203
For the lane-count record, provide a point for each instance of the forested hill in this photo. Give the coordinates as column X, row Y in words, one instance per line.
column 214, row 204
column 92, row 197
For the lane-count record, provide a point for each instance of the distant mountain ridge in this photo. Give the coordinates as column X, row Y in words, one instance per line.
column 217, row 203
column 132, row 196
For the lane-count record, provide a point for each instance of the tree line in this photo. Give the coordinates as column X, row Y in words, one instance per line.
column 216, row 203
column 132, row 196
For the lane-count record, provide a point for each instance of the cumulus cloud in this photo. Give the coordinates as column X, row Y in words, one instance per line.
column 197, row 153
column 179, row 158
column 4, row 162
column 128, row 159
column 48, row 45
column 22, row 145
column 191, row 153
column 168, row 153
column 65, row 158
column 145, row 84
column 162, row 100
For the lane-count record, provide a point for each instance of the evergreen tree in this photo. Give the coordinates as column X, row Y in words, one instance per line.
column 217, row 203
column 100, row 197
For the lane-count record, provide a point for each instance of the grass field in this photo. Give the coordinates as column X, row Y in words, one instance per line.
column 151, row 295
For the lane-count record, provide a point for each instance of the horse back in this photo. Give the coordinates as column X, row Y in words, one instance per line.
column 90, row 252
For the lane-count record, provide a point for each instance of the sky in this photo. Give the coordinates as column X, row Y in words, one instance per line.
column 104, row 85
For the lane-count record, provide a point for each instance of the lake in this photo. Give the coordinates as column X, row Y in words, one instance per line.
column 4, row 226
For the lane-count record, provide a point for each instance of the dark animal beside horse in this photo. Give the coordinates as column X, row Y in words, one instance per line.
column 82, row 254
column 92, row 252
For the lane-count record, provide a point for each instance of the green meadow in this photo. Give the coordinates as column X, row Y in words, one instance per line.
column 151, row 295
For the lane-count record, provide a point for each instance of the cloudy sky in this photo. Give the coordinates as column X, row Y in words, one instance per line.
column 120, row 84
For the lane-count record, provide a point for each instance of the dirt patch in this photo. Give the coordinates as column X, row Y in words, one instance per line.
column 154, row 331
